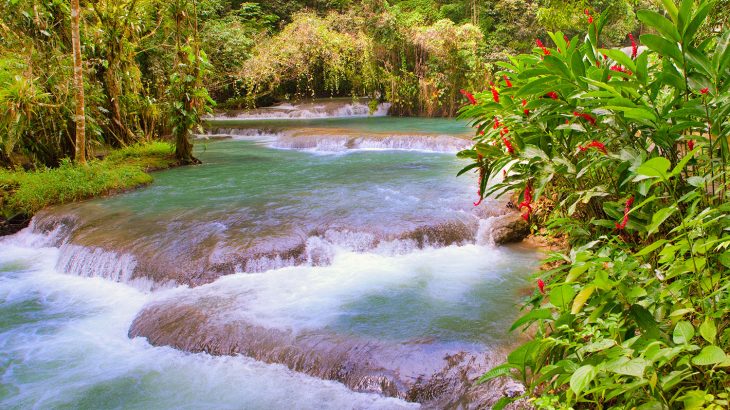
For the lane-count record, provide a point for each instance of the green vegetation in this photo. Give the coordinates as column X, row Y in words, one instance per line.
column 148, row 66
column 26, row 192
column 626, row 156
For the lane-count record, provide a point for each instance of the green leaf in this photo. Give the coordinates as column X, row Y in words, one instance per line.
column 656, row 20
column 645, row 321
column 534, row 314
column 620, row 57
column 581, row 299
column 683, row 333
column 582, row 378
column 708, row 331
column 662, row 46
column 561, row 296
column 683, row 162
column 656, row 167
column 671, row 9
column 659, row 217
column 709, row 355
column 724, row 259
column 501, row 370
column 634, row 367
column 651, row 247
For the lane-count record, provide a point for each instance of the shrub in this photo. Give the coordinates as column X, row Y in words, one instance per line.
column 627, row 155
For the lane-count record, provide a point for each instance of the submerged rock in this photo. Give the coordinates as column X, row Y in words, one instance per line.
column 437, row 375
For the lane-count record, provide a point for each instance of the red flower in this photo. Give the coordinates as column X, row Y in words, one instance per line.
column 541, row 286
column 553, row 95
column 526, row 110
column 705, row 90
column 588, row 13
column 634, row 47
column 627, row 208
column 598, row 145
column 526, row 202
column 567, row 40
column 495, row 94
column 507, row 81
column 496, row 123
column 506, row 141
column 469, row 96
column 585, row 116
column 542, row 46
column 620, row 69
column 691, row 144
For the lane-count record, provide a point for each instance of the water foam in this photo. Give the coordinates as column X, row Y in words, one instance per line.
column 65, row 345
column 314, row 110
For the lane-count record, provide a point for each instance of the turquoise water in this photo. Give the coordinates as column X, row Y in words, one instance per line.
column 63, row 335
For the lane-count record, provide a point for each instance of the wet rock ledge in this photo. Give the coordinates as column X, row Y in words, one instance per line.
column 436, row 375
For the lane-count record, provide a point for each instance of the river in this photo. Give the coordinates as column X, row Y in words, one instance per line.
column 321, row 260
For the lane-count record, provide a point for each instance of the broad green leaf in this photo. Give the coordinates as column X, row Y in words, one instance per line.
column 561, row 296
column 620, row 57
column 656, row 20
column 683, row 333
column 651, row 247
column 581, row 299
column 724, row 259
column 534, row 314
column 659, row 217
column 634, row 367
column 501, row 370
column 582, row 378
column 598, row 346
column 709, row 355
column 522, row 356
column 656, row 167
column 645, row 321
column 671, row 9
column 708, row 331
column 662, row 46
column 683, row 162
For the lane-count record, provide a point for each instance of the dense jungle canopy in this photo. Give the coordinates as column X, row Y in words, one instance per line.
column 150, row 67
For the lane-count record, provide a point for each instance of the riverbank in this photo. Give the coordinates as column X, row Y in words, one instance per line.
column 23, row 193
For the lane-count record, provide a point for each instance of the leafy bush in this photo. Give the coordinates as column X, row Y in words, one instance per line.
column 627, row 155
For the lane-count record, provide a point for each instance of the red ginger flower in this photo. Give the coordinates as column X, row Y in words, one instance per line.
column 496, row 123
column 691, row 144
column 621, row 69
column 469, row 96
column 526, row 110
column 542, row 46
column 627, row 208
column 588, row 14
column 634, row 47
column 526, row 202
column 507, row 81
column 541, row 286
column 704, row 91
column 553, row 95
column 495, row 94
column 585, row 116
column 598, row 145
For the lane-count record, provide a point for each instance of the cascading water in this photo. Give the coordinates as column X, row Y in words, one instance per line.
column 367, row 271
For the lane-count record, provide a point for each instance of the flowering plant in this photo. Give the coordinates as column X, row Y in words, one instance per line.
column 628, row 153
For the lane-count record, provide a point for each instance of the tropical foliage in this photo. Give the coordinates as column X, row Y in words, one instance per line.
column 625, row 153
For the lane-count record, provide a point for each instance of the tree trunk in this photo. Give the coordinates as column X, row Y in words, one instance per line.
column 80, row 118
